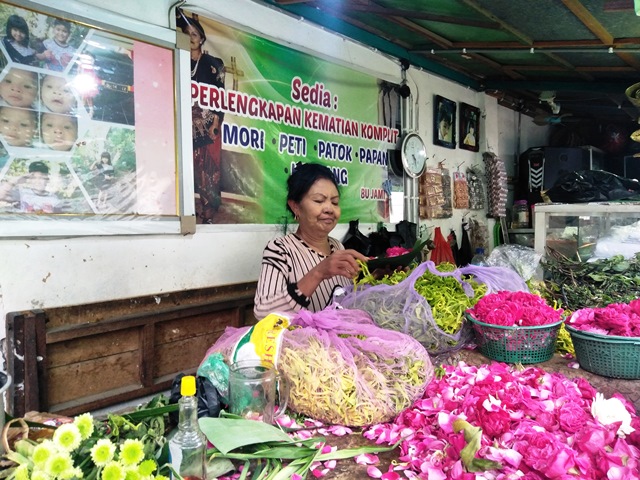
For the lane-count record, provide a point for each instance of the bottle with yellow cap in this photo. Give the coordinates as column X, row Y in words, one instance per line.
column 188, row 446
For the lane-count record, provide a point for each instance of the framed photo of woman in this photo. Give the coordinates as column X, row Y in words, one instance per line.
column 444, row 119
column 469, row 127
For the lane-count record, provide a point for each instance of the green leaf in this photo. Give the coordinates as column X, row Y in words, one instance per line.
column 218, row 467
column 230, row 433
column 150, row 412
column 473, row 437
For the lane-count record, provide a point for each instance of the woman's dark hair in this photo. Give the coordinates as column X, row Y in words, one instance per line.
column 182, row 22
column 303, row 177
column 106, row 155
column 18, row 23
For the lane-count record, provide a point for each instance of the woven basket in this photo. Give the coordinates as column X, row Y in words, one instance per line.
column 607, row 355
column 516, row 344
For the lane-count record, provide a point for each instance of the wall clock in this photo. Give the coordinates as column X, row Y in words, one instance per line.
column 414, row 155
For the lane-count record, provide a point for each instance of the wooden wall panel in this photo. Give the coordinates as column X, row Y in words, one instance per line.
column 94, row 347
column 107, row 373
column 80, row 358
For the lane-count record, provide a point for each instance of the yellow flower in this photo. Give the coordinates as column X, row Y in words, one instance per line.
column 132, row 473
column 85, row 425
column 60, row 465
column 147, row 467
column 67, row 437
column 102, row 452
column 113, row 471
column 42, row 453
column 21, row 472
column 131, row 452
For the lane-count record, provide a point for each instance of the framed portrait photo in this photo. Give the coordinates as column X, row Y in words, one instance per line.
column 444, row 122
column 469, row 127
column 88, row 144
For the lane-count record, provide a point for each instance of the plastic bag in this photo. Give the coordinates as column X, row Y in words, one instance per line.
column 591, row 186
column 476, row 189
column 401, row 308
column 519, row 258
column 355, row 239
column 343, row 369
column 214, row 368
column 460, row 191
column 442, row 250
column 209, row 400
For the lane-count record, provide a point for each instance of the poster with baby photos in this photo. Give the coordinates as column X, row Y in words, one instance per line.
column 87, row 125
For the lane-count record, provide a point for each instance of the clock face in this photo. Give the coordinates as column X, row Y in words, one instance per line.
column 414, row 155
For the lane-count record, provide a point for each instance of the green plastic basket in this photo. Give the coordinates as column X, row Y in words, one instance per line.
column 516, row 344
column 607, row 355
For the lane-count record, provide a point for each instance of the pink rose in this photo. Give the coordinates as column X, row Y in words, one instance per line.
column 572, row 417
column 494, row 423
column 547, row 455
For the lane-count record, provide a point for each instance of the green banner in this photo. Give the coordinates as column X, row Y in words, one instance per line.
column 260, row 107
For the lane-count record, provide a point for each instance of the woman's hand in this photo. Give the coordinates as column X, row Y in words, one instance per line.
column 341, row 262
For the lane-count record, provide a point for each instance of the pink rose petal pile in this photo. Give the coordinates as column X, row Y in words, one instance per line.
column 537, row 425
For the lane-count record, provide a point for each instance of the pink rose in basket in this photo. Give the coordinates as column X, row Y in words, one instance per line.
column 618, row 319
column 507, row 308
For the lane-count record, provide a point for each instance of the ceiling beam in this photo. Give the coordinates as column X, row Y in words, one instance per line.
column 589, row 21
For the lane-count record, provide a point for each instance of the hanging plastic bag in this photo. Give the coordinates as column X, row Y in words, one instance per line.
column 460, row 191
column 355, row 239
column 343, row 369
column 476, row 189
column 441, row 252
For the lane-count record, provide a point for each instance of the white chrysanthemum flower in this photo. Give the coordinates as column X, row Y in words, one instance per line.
column 60, row 465
column 113, row 471
column 39, row 475
column 132, row 452
column 21, row 472
column 67, row 437
column 43, row 452
column 85, row 425
column 612, row 410
column 103, row 452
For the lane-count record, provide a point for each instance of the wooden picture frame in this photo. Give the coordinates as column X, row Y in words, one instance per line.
column 469, row 127
column 96, row 178
column 444, row 122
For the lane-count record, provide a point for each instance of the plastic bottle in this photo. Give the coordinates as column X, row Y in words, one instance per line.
column 479, row 258
column 188, row 446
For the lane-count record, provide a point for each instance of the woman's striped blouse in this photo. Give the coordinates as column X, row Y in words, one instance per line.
column 286, row 260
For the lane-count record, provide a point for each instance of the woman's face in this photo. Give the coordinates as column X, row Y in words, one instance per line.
column 195, row 39
column 319, row 209
column 59, row 132
column 445, row 130
column 56, row 94
column 18, row 35
column 17, row 126
column 19, row 88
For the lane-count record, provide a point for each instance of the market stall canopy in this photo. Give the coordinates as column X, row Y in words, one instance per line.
column 539, row 57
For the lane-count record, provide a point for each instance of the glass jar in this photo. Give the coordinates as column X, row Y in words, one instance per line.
column 520, row 214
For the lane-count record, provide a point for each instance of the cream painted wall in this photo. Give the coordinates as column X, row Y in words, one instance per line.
column 53, row 272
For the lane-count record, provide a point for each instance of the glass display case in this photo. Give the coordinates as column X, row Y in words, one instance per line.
column 588, row 230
